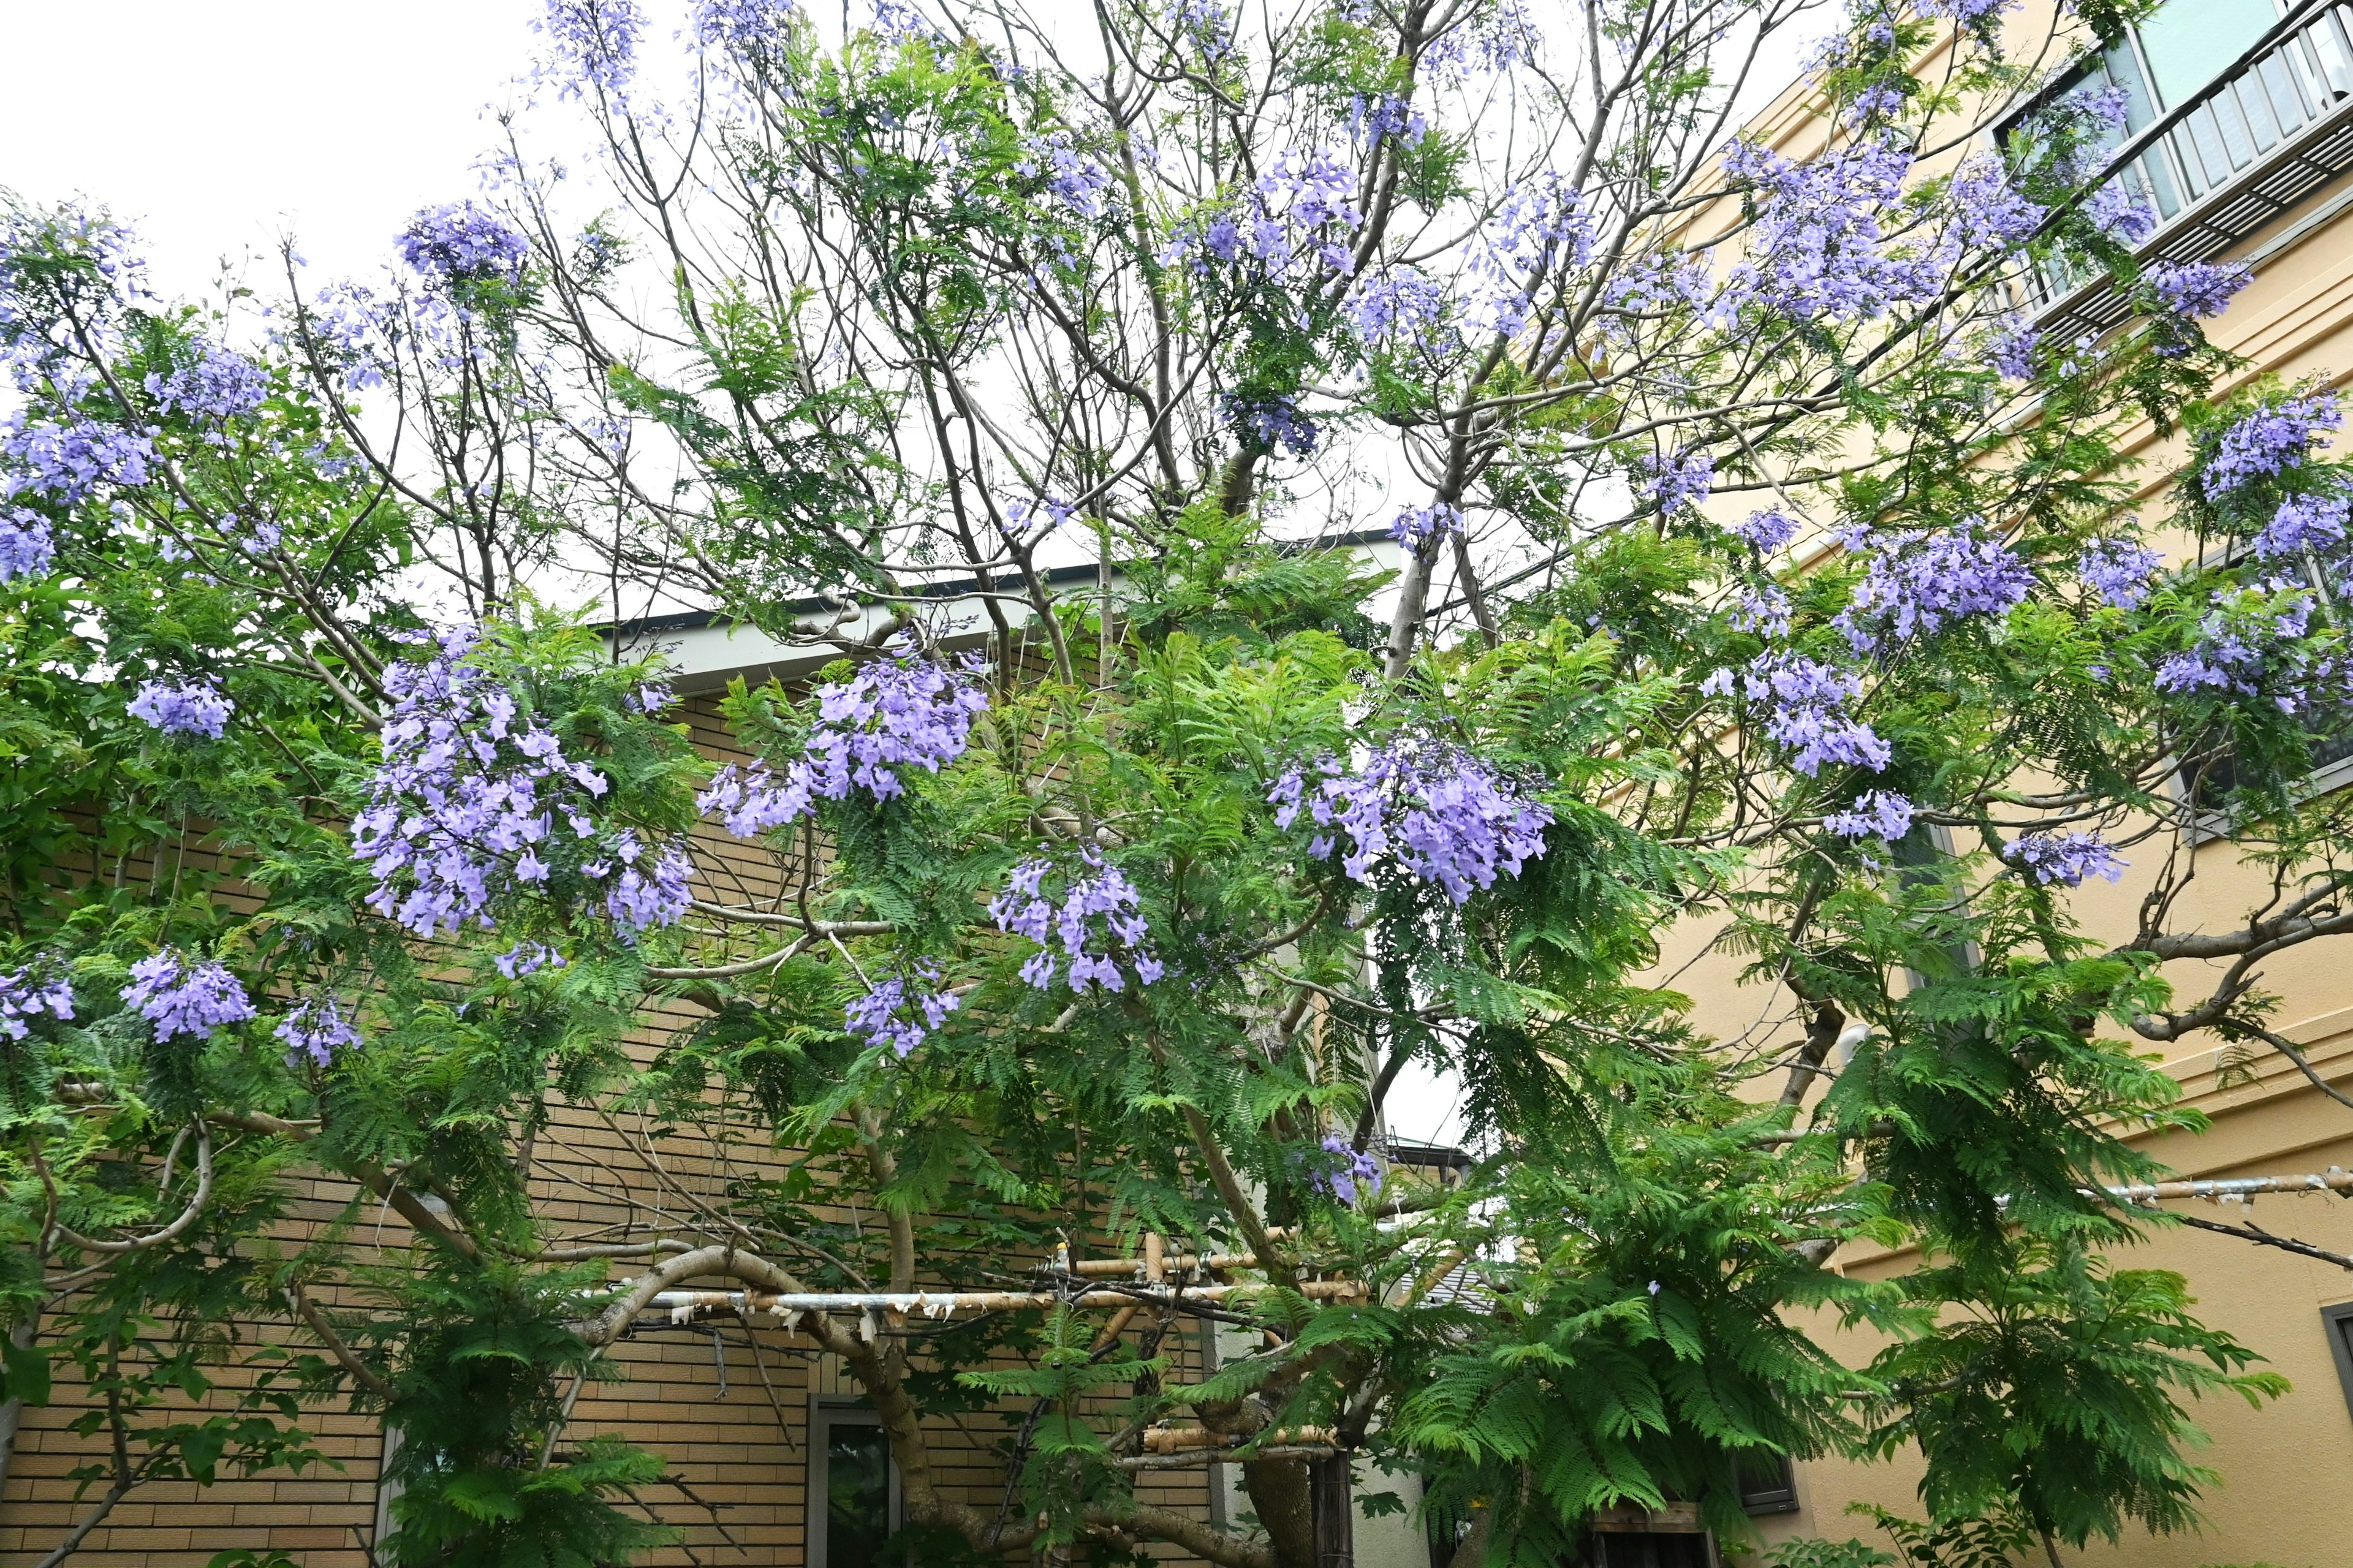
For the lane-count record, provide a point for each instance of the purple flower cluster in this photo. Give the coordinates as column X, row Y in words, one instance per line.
column 595, row 43
column 1986, row 208
column 1921, row 581
column 1443, row 815
column 1295, row 226
column 1202, row 22
column 744, row 27
column 1418, row 527
column 1770, row 531
column 1401, row 304
column 2304, row 524
column 219, row 385
column 68, row 462
column 2269, row 441
column 1685, row 478
column 2195, row 290
column 525, row 959
column 1879, row 815
column 23, row 996
column 1764, row 610
column 1267, row 423
column 1073, row 178
column 1098, row 905
column 894, row 1014
column 2010, row 348
column 316, row 1028
column 2250, row 645
column 465, row 801
column 1391, row 114
column 460, row 242
column 182, row 708
column 2119, row 570
column 892, row 715
column 26, row 547
column 1486, row 41
column 1809, row 715
column 2120, row 212
column 2064, row 857
column 1818, row 250
column 180, row 996
column 1351, row 1170
column 1539, row 228
column 1965, row 12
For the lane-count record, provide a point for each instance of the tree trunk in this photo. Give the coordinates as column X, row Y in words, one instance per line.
column 1335, row 1523
column 1280, row 1491
column 12, row 1411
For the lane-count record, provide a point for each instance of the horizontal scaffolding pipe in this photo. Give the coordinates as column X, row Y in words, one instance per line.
column 2336, row 1179
column 682, row 1305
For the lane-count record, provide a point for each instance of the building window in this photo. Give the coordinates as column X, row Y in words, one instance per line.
column 853, row 1492
column 2338, row 1320
column 1768, row 1484
column 2178, row 58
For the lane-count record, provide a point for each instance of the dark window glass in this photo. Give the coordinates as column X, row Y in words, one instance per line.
column 2338, row 1320
column 1768, row 1484
column 857, row 1495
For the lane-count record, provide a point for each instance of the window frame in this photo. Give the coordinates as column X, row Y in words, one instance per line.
column 826, row 1413
column 1779, row 1497
column 2337, row 1317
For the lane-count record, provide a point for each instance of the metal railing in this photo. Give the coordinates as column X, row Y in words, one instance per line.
column 2239, row 151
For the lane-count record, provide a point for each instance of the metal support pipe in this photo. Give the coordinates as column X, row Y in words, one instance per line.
column 682, row 1305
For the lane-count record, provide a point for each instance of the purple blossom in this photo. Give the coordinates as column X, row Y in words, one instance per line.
column 2064, row 857
column 69, row 462
column 1540, row 228
column 1879, row 815
column 2195, row 290
column 27, row 548
column 1205, row 23
column 1879, row 99
column 892, row 1014
column 1487, row 40
column 1763, row 610
column 1685, row 477
column 2119, row 570
column 1770, row 531
column 596, row 45
column 466, row 803
column 1809, row 716
column 1921, row 581
column 1267, row 422
column 180, row 996
column 1974, row 13
column 1297, row 208
column 460, row 242
column 24, row 995
column 891, row 715
column 2306, row 523
column 2120, row 212
column 1351, row 1169
column 1402, row 304
column 316, row 1028
column 1077, row 181
column 1418, row 527
column 1990, row 213
column 2251, row 645
column 219, row 385
column 2268, row 441
column 1818, row 249
column 744, row 27
column 525, row 959
column 1098, row 921
column 1392, row 114
column 1442, row 815
column 2010, row 348
column 182, row 708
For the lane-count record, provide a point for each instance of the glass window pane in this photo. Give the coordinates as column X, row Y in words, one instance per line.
column 857, row 1495
column 2188, row 42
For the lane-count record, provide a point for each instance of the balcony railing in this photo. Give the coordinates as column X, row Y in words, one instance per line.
column 2252, row 142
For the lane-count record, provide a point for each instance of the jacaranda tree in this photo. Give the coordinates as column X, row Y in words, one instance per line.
column 1760, row 574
